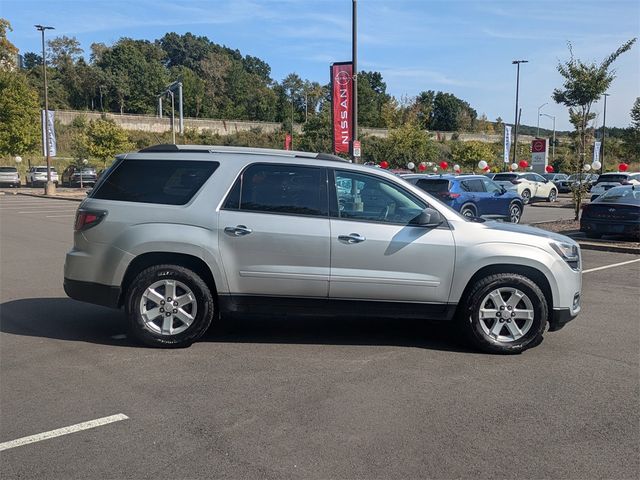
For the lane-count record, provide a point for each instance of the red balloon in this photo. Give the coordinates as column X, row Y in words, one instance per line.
column 444, row 165
column 623, row 167
column 384, row 164
column 549, row 168
column 523, row 164
column 487, row 168
column 422, row 167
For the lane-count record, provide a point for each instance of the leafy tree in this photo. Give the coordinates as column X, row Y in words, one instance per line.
column 105, row 139
column 451, row 114
column 63, row 51
column 424, row 108
column 409, row 143
column 31, row 60
column 257, row 67
column 584, row 84
column 372, row 97
column 468, row 154
column 632, row 134
column 8, row 50
column 19, row 115
column 185, row 50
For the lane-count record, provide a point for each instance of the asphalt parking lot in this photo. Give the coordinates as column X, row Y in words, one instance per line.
column 281, row 397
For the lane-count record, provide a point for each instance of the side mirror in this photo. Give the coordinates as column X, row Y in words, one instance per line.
column 428, row 218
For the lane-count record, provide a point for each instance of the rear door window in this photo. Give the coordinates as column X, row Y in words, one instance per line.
column 612, row 178
column 434, row 187
column 474, row 185
column 169, row 182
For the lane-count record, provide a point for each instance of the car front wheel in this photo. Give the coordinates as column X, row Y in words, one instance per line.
column 553, row 195
column 169, row 306
column 504, row 313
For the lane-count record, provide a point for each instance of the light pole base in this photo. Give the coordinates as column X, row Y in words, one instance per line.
column 49, row 188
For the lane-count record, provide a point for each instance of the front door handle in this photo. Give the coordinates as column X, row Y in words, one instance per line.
column 351, row 238
column 238, row 230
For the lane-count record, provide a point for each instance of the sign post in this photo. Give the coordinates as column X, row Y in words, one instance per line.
column 357, row 153
column 539, row 155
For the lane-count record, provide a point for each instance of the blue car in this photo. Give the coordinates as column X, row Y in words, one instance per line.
column 472, row 195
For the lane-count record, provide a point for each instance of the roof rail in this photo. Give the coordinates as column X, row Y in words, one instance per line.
column 170, row 147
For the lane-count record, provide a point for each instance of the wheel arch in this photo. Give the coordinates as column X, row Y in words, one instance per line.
column 470, row 205
column 150, row 259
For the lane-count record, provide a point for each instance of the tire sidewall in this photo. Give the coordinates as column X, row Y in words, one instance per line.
column 472, row 322
column 526, row 198
column 469, row 208
column 519, row 207
column 200, row 290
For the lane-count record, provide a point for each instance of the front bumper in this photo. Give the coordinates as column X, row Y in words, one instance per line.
column 560, row 317
column 96, row 293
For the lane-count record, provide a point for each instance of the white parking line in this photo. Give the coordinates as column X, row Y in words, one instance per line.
column 62, row 431
column 611, row 266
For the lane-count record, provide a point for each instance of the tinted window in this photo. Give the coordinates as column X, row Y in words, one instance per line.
column 620, row 195
column 505, row 177
column 170, row 182
column 284, row 189
column 490, row 186
column 373, row 199
column 612, row 177
column 474, row 185
column 8, row 169
column 434, row 187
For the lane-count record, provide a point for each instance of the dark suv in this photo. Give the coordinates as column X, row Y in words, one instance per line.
column 472, row 195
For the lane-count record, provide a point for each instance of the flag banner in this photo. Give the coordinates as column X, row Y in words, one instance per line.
column 596, row 151
column 342, row 105
column 52, row 133
column 287, row 142
column 507, row 142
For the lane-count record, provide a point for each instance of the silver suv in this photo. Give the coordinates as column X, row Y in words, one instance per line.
column 179, row 235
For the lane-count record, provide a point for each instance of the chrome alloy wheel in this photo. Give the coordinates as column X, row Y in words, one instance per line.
column 506, row 314
column 514, row 213
column 168, row 307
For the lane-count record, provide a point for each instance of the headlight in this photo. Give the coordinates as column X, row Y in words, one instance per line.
column 569, row 252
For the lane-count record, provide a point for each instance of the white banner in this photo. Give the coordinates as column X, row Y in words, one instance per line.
column 596, row 151
column 507, row 142
column 52, row 133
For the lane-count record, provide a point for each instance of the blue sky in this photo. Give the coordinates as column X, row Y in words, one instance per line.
column 460, row 46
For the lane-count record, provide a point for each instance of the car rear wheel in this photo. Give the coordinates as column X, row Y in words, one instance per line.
column 526, row 196
column 553, row 195
column 504, row 313
column 169, row 306
column 468, row 211
column 515, row 213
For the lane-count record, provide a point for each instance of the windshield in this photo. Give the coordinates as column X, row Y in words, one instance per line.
column 621, row 195
column 612, row 177
column 8, row 169
column 44, row 169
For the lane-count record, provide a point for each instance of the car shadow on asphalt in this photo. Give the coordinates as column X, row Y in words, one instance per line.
column 67, row 319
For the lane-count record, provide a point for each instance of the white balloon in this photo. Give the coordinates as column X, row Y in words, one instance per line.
column 587, row 167
column 85, row 161
column 482, row 164
column 411, row 165
column 456, row 167
column 596, row 165
column 514, row 166
column 18, row 159
column 435, row 169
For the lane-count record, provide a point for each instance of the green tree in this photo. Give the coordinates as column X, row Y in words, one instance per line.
column 19, row 115
column 105, row 139
column 372, row 96
column 63, row 51
column 632, row 134
column 8, row 50
column 409, row 143
column 468, row 154
column 584, row 84
column 451, row 114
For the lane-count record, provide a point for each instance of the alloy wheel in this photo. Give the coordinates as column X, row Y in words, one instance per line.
column 168, row 307
column 514, row 213
column 506, row 314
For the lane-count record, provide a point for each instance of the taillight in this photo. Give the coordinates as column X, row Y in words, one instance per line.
column 625, row 182
column 86, row 219
column 454, row 195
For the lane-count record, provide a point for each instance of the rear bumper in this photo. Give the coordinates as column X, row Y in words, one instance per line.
column 96, row 293
column 612, row 227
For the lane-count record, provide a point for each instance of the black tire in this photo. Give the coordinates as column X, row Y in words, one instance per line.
column 593, row 235
column 468, row 211
column 204, row 298
column 512, row 218
column 553, row 195
column 468, row 315
column 526, row 196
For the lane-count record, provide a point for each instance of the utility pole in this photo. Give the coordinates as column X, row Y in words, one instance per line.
column 604, row 123
column 50, row 187
column 515, row 135
column 553, row 145
column 354, row 59
column 538, row 131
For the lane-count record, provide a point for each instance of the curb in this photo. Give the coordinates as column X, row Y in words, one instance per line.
column 605, row 247
column 55, row 197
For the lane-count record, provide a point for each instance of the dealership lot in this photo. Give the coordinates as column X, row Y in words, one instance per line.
column 284, row 397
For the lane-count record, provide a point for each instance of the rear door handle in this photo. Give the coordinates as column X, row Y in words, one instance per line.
column 351, row 238
column 238, row 230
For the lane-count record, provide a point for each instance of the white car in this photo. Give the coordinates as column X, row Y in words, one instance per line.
column 529, row 185
column 9, row 176
column 607, row 181
column 38, row 176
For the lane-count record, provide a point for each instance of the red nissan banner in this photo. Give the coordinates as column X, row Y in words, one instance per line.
column 342, row 105
column 287, row 142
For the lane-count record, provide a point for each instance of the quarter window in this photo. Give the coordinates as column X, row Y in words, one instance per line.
column 473, row 185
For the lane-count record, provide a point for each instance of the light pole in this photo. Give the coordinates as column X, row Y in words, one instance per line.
column 354, row 59
column 538, row 131
column 604, row 122
column 515, row 135
column 553, row 144
column 49, row 188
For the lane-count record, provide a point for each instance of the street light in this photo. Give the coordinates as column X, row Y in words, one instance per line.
column 49, row 188
column 604, row 122
column 515, row 135
column 538, row 132
column 553, row 145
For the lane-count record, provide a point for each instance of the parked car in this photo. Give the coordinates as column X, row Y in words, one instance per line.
column 9, row 176
column 472, row 195
column 38, row 176
column 73, row 174
column 560, row 180
column 529, row 185
column 615, row 212
column 180, row 234
column 584, row 180
column 606, row 181
column 490, row 175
